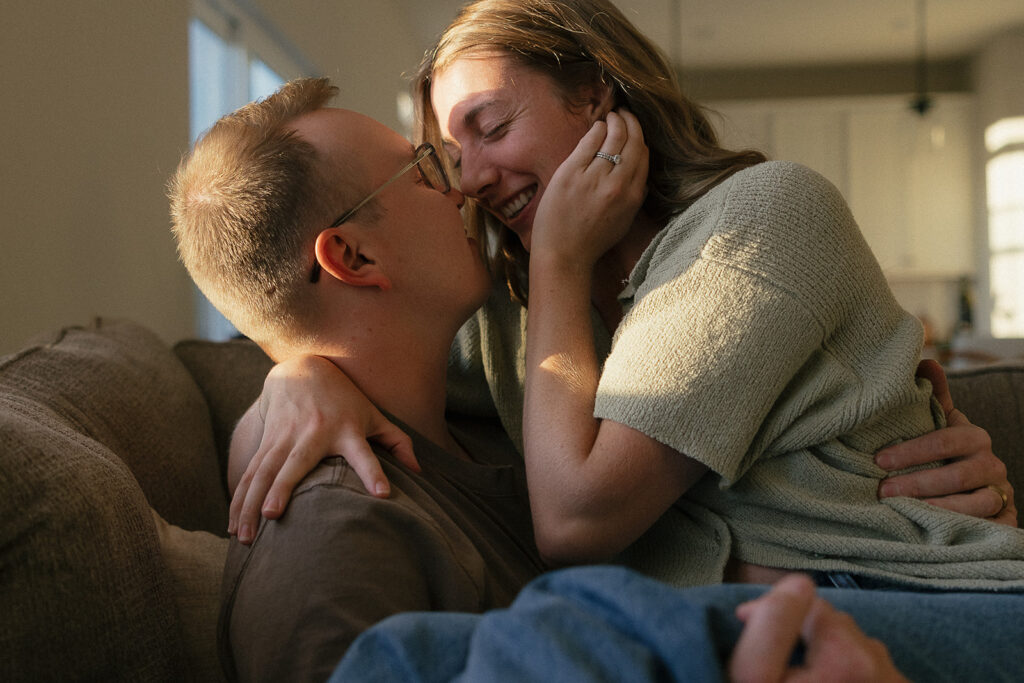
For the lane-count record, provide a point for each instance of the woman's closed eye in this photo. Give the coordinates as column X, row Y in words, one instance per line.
column 497, row 131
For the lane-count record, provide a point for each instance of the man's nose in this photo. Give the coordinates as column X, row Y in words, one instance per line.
column 456, row 196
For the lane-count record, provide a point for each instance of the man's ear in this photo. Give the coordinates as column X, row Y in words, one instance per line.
column 341, row 256
column 598, row 99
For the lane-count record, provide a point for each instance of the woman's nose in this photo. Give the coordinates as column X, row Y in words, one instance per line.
column 476, row 176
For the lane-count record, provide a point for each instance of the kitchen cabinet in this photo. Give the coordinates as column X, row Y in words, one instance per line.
column 907, row 178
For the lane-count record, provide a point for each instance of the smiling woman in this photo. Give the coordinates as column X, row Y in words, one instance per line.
column 515, row 119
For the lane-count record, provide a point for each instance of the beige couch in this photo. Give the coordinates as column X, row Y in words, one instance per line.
column 105, row 433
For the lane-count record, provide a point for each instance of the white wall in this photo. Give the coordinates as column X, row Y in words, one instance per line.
column 95, row 115
column 93, row 123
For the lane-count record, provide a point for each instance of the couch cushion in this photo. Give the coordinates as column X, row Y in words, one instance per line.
column 83, row 591
column 119, row 384
column 993, row 397
column 196, row 563
column 230, row 374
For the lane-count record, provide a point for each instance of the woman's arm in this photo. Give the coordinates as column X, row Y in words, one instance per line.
column 965, row 482
column 595, row 486
column 312, row 410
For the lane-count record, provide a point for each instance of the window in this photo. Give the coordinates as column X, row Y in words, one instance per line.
column 1005, row 182
column 235, row 57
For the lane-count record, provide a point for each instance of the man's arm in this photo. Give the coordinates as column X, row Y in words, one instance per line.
column 245, row 441
column 338, row 562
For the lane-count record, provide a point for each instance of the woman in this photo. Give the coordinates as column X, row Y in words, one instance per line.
column 544, row 107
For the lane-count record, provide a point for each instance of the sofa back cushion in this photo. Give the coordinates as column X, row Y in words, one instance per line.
column 230, row 374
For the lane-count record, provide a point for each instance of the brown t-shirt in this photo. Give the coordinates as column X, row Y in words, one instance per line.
column 457, row 537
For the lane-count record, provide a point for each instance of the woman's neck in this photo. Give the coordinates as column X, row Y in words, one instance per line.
column 612, row 270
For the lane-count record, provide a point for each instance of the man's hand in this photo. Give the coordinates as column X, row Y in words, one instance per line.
column 972, row 482
column 791, row 613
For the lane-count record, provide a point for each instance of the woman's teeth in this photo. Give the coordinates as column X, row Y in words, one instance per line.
column 512, row 209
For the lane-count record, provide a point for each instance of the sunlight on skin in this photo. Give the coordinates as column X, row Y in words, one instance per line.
column 562, row 366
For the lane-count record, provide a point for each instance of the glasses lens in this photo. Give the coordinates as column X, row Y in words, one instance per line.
column 433, row 172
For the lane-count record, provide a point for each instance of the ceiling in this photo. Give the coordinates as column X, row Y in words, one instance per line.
column 775, row 33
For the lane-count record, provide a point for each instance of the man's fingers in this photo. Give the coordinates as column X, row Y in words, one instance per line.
column 772, row 629
column 959, row 477
column 933, row 372
column 958, row 439
column 838, row 650
column 983, row 502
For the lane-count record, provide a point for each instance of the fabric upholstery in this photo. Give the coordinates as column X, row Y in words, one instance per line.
column 119, row 384
column 195, row 560
column 99, row 426
column 230, row 374
column 84, row 593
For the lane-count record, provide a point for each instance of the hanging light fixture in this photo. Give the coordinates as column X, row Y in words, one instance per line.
column 922, row 102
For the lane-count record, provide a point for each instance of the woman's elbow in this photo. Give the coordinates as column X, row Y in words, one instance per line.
column 562, row 542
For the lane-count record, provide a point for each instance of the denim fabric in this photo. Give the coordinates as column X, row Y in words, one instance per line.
column 611, row 624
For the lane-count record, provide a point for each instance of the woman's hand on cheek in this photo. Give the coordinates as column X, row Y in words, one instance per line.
column 590, row 202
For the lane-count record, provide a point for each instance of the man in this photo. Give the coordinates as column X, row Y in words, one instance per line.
column 380, row 292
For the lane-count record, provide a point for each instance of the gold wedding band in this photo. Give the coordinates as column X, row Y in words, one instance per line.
column 1002, row 496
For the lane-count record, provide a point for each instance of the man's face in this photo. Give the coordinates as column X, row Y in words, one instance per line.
column 422, row 244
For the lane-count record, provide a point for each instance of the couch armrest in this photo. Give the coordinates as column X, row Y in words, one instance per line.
column 84, row 593
column 120, row 384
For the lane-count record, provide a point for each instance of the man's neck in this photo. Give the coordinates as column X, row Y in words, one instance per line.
column 405, row 380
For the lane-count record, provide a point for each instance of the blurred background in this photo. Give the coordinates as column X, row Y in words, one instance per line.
column 913, row 108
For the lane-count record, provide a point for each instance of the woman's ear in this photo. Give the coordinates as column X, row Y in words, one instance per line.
column 598, row 99
column 340, row 255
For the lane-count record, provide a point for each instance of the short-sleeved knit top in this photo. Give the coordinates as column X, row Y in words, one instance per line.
column 760, row 338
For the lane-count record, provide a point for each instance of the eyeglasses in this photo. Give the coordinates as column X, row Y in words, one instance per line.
column 432, row 172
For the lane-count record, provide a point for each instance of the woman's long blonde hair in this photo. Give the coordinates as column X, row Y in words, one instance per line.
column 576, row 43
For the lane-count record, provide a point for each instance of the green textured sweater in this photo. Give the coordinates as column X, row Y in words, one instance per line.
column 760, row 338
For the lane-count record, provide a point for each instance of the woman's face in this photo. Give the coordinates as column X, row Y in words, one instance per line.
column 507, row 128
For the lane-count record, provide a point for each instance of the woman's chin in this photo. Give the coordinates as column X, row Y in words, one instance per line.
column 524, row 239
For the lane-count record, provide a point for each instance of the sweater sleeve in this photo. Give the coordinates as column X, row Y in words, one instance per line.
column 736, row 305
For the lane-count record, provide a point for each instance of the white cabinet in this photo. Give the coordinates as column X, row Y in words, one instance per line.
column 907, row 178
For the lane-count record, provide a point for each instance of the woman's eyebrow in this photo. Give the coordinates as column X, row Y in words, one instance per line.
column 470, row 117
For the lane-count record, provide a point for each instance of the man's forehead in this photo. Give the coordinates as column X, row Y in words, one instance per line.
column 351, row 135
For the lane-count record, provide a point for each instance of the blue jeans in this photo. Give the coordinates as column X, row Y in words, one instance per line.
column 612, row 624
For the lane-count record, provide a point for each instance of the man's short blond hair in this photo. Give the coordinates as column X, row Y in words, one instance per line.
column 246, row 205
